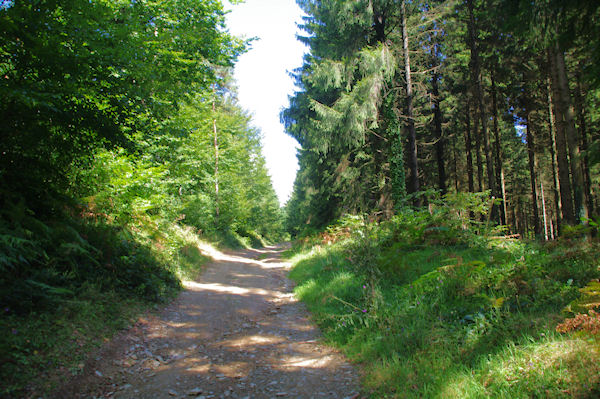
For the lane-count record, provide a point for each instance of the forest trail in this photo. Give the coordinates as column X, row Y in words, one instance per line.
column 235, row 332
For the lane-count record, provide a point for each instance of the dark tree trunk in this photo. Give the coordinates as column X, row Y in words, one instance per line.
column 440, row 144
column 498, row 155
column 587, row 182
column 396, row 160
column 525, row 221
column 544, row 211
column 556, row 188
column 532, row 169
column 378, row 192
column 455, row 153
column 568, row 115
column 410, row 123
column 475, row 65
column 503, row 191
column 566, row 198
column 476, row 131
column 468, row 148
column 379, row 22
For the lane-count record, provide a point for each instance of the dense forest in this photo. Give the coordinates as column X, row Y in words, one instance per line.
column 445, row 209
column 404, row 101
column 448, row 193
column 121, row 143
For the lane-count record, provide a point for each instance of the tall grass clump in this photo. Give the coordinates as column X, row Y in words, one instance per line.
column 436, row 303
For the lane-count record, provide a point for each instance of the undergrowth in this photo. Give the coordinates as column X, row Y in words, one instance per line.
column 80, row 265
column 70, row 283
column 436, row 303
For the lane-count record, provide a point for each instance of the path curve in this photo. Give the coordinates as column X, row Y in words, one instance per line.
column 235, row 332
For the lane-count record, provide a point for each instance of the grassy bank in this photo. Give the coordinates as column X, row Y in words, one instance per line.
column 70, row 285
column 432, row 305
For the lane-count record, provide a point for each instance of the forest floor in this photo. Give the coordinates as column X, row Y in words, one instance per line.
column 235, row 332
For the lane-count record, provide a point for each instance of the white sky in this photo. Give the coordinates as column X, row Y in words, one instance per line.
column 263, row 80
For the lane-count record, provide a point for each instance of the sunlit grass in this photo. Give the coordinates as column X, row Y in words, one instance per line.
column 552, row 367
column 453, row 321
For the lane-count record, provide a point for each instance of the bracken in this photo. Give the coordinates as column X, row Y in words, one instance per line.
column 583, row 322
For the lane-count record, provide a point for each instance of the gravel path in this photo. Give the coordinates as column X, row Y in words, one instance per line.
column 236, row 332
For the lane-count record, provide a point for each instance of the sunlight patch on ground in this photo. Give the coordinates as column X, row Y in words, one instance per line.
column 173, row 324
column 233, row 369
column 303, row 362
column 219, row 256
column 228, row 289
column 265, row 250
column 247, row 275
column 199, row 369
column 255, row 340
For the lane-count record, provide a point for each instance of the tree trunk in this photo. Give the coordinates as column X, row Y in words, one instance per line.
column 498, row 154
column 377, row 198
column 568, row 115
column 455, row 153
column 556, row 188
column 580, row 104
column 503, row 191
column 475, row 65
column 476, row 131
column 544, row 211
column 439, row 145
column 566, row 198
column 410, row 123
column 532, row 169
column 525, row 221
column 397, row 169
column 468, row 149
column 379, row 23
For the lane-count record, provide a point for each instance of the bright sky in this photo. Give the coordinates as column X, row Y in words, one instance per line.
column 263, row 80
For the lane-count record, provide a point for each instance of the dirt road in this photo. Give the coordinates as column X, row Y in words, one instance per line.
column 236, row 332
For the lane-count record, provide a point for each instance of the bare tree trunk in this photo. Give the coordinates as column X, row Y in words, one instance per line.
column 410, row 123
column 544, row 211
column 378, row 196
column 579, row 103
column 498, row 153
column 476, row 78
column 566, row 198
column 503, row 191
column 556, row 188
column 440, row 144
column 476, row 131
column 525, row 221
column 521, row 219
column 454, row 152
column 568, row 115
column 468, row 149
column 532, row 169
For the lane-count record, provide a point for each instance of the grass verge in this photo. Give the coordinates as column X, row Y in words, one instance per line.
column 431, row 311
